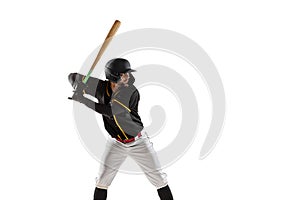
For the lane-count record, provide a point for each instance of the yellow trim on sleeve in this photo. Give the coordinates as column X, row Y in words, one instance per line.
column 120, row 127
column 119, row 137
column 121, row 104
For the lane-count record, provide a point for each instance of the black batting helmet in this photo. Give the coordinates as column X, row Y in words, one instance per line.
column 115, row 67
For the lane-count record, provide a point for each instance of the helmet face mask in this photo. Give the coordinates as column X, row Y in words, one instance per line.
column 115, row 67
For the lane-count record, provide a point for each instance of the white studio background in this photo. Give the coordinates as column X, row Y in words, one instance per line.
column 254, row 45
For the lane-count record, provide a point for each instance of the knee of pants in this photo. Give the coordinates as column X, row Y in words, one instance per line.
column 157, row 178
column 105, row 178
column 102, row 183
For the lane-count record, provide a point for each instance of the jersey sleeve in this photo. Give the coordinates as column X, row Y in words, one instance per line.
column 124, row 102
column 92, row 83
column 104, row 109
column 113, row 108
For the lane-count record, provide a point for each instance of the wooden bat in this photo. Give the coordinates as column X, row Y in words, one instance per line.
column 106, row 42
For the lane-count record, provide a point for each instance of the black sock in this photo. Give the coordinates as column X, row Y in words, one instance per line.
column 165, row 193
column 100, row 194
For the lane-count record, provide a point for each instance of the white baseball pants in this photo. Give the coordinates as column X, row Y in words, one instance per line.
column 141, row 151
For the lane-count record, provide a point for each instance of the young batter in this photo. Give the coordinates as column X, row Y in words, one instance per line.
column 118, row 102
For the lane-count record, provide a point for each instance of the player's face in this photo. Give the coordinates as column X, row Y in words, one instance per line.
column 124, row 78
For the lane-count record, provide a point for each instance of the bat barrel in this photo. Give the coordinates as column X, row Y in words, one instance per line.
column 113, row 30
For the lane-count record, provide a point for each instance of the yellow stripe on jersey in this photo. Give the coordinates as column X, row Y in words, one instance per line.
column 120, row 127
column 121, row 104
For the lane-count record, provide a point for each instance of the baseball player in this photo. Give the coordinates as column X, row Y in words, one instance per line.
column 118, row 101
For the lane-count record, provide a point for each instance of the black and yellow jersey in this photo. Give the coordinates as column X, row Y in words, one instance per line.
column 119, row 109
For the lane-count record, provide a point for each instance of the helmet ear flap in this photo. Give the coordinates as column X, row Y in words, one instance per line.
column 112, row 76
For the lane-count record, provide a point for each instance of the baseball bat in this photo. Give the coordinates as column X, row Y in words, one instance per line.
column 106, row 42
